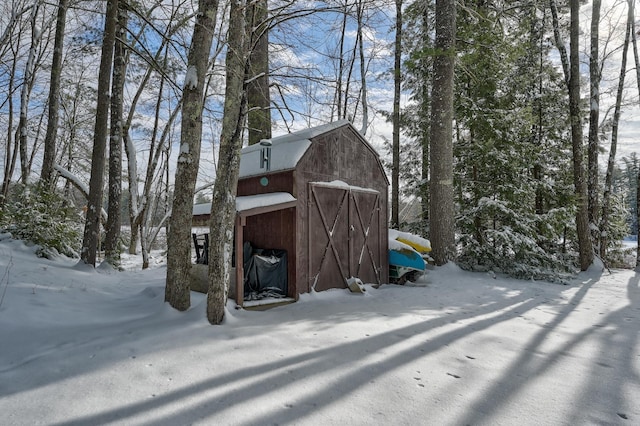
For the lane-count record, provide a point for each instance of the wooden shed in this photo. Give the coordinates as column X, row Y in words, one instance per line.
column 320, row 194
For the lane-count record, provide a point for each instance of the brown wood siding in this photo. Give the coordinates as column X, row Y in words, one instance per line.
column 328, row 237
column 277, row 182
column 200, row 221
column 341, row 155
column 345, row 237
column 275, row 230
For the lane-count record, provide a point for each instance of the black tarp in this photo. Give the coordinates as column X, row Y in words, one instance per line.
column 265, row 273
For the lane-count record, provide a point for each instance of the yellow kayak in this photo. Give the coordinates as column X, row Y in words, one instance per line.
column 420, row 245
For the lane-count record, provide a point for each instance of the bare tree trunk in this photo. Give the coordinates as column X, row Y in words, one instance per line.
column 397, row 80
column 363, row 71
column 112, row 232
column 538, row 137
column 177, row 290
column 137, row 203
column 339, row 89
column 638, row 219
column 571, row 68
column 12, row 144
column 25, row 94
column 224, row 190
column 258, row 98
column 562, row 49
column 604, row 224
column 594, row 122
column 582, row 214
column 634, row 40
column 91, row 236
column 50, row 139
column 441, row 207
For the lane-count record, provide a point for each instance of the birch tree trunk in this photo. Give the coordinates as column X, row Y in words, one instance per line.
column 177, row 290
column 91, row 237
column 46, row 174
column 441, row 206
column 224, row 190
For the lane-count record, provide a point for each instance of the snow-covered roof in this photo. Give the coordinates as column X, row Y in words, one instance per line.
column 200, row 209
column 248, row 202
column 344, row 185
column 286, row 150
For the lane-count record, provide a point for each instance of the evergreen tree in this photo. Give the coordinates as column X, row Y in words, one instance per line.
column 414, row 149
column 507, row 156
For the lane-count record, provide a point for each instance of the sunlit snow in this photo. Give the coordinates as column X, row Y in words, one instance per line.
column 83, row 346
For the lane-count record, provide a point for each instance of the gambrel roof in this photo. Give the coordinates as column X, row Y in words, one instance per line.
column 286, row 150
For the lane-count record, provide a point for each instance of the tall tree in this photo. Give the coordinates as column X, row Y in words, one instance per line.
column 594, row 120
column 177, row 290
column 224, row 191
column 397, row 80
column 585, row 247
column 91, row 237
column 258, row 98
column 46, row 174
column 158, row 64
column 423, row 122
column 571, row 68
column 636, row 56
column 112, row 231
column 417, row 36
column 25, row 93
column 441, row 207
column 606, row 199
column 634, row 41
column 11, row 147
column 363, row 67
column 638, row 219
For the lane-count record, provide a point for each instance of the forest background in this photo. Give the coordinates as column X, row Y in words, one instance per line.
column 108, row 107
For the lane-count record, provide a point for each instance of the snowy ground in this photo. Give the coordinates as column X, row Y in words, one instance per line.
column 86, row 347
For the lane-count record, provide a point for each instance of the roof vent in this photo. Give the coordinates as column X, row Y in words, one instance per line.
column 265, row 154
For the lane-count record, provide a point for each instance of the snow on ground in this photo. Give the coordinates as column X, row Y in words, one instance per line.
column 85, row 347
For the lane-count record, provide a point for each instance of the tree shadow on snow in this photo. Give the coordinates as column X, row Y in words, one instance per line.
column 602, row 400
column 199, row 400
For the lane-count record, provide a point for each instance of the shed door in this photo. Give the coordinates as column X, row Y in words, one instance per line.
column 344, row 236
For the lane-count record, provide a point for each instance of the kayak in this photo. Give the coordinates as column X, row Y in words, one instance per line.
column 406, row 256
